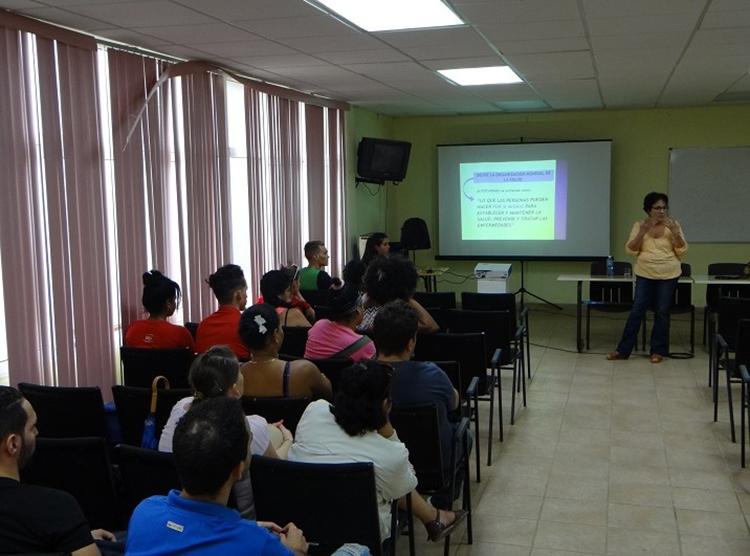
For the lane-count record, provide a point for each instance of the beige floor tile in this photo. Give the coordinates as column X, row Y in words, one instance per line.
column 705, row 500
column 588, row 512
column 640, row 494
column 625, row 516
column 652, row 457
column 574, row 537
column 687, row 478
column 492, row 549
column 510, row 505
column 628, row 542
column 699, row 461
column 633, row 473
column 590, row 437
column 549, row 552
column 631, row 439
column 712, row 546
column 577, row 488
column 495, row 529
column 713, row 524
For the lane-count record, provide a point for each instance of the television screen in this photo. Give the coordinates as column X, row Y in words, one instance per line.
column 382, row 159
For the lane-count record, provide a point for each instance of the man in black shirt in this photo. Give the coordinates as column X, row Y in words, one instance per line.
column 34, row 518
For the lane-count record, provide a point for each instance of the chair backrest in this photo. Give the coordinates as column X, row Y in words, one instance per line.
column 616, row 293
column 192, row 328
column 332, row 368
column 742, row 343
column 453, row 370
column 419, row 429
column 289, row 410
column 145, row 473
column 438, row 300
column 81, row 467
column 730, row 311
column 65, row 412
column 333, row 503
column 683, row 293
column 134, row 404
column 465, row 348
column 496, row 325
column 317, row 297
column 491, row 302
column 140, row 366
column 727, row 290
column 295, row 340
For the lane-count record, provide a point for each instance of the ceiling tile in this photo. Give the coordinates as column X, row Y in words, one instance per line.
column 576, row 104
column 627, row 25
column 742, row 84
column 61, row 17
column 363, row 56
column 511, row 91
column 134, row 14
column 254, row 47
column 198, row 34
column 567, row 88
column 453, row 63
column 533, row 30
column 181, row 51
column 519, row 11
column 287, row 27
column 449, row 50
column 244, row 10
column 283, row 61
column 535, row 46
column 339, row 43
column 560, row 65
column 20, row 4
column 392, row 70
column 132, row 38
column 640, row 8
column 522, row 105
column 66, row 3
column 641, row 41
column 430, row 37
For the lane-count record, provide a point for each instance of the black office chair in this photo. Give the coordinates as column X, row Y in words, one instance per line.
column 295, row 340
column 333, row 503
column 80, row 467
column 192, row 328
column 469, row 351
column 134, row 404
column 616, row 297
column 66, row 412
column 438, row 300
column 274, row 409
column 419, row 429
column 745, row 407
column 141, row 365
column 332, row 368
column 501, row 302
column 317, row 297
column 713, row 291
column 144, row 473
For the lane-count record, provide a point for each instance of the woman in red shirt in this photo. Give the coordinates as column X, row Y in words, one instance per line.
column 161, row 297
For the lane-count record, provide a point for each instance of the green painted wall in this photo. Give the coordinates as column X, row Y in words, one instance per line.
column 365, row 211
column 640, row 152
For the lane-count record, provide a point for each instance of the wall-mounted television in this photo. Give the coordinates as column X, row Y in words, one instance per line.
column 381, row 160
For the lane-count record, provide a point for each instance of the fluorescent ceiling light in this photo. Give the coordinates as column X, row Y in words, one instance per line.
column 393, row 15
column 491, row 75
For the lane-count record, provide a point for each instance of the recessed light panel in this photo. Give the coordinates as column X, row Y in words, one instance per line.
column 491, row 75
column 393, row 15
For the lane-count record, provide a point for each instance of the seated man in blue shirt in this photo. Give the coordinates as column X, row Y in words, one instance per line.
column 416, row 382
column 211, row 454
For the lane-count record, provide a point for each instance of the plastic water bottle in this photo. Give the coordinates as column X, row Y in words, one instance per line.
column 610, row 266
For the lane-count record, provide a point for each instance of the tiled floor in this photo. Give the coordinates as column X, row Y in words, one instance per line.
column 617, row 458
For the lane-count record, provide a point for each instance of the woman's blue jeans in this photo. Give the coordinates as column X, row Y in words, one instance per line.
column 656, row 295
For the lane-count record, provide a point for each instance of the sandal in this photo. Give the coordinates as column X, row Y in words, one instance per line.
column 656, row 358
column 615, row 356
column 437, row 530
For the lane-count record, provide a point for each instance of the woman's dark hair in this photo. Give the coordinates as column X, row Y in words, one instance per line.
column 225, row 281
column 213, row 373
column 157, row 291
column 209, row 442
column 375, row 240
column 652, row 198
column 353, row 273
column 395, row 324
column 389, row 278
column 272, row 285
column 257, row 323
column 358, row 404
column 344, row 303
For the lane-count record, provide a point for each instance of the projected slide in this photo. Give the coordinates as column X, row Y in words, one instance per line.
column 519, row 200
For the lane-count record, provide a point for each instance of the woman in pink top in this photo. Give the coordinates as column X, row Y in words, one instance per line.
column 336, row 337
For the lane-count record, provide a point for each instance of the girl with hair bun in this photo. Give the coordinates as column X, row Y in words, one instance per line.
column 161, row 297
column 265, row 375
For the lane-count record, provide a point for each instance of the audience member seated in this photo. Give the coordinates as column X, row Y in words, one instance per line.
column 416, row 382
column 297, row 301
column 336, row 337
column 313, row 277
column 230, row 288
column 161, row 297
column 356, row 428
column 378, row 245
column 35, row 519
column 211, row 454
column 276, row 287
column 265, row 375
column 353, row 274
column 388, row 279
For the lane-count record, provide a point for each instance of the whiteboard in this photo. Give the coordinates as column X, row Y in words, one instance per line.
column 709, row 193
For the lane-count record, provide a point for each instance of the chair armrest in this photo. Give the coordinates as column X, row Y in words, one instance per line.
column 744, row 374
column 471, row 389
column 722, row 342
column 496, row 357
column 463, row 426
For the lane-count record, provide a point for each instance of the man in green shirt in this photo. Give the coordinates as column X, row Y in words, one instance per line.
column 313, row 277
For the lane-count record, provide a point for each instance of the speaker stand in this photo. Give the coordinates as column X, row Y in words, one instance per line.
column 523, row 291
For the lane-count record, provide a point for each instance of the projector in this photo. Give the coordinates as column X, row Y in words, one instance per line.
column 492, row 271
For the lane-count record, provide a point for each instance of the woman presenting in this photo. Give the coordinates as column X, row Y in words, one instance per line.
column 657, row 243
